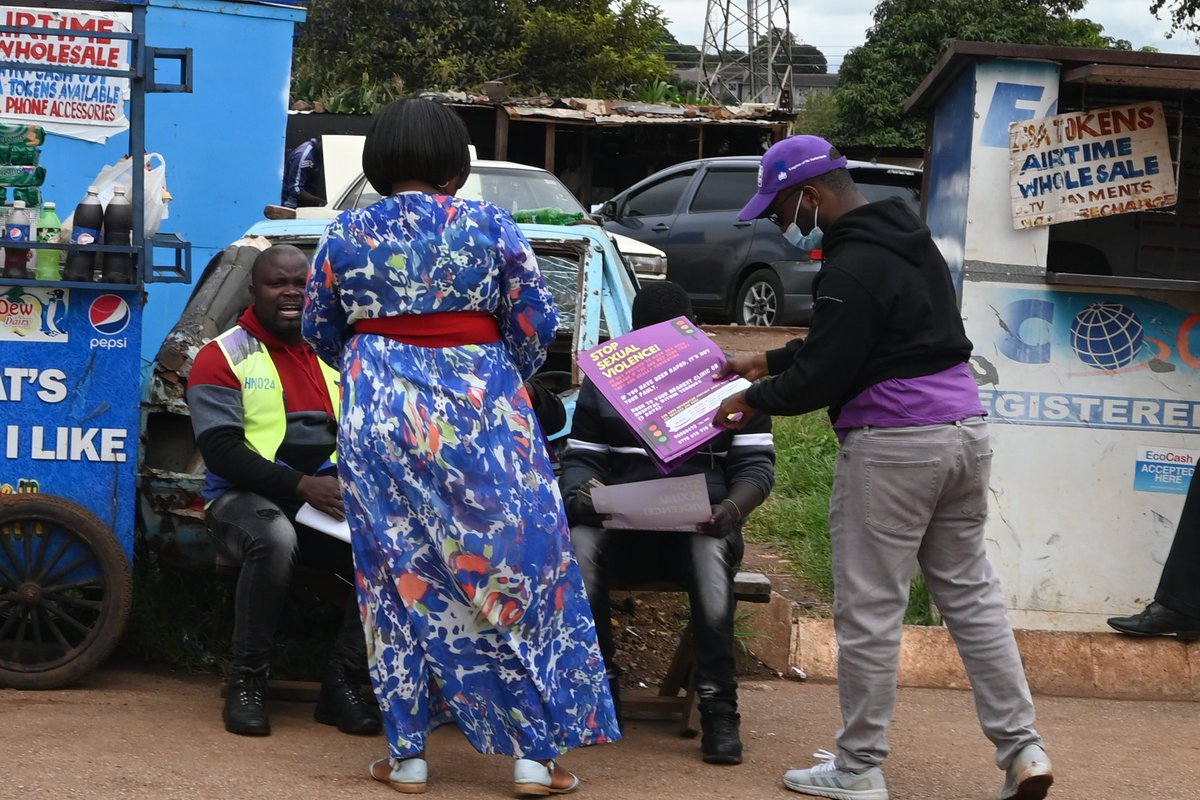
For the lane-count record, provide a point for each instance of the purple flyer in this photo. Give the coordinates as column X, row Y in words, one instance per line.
column 660, row 380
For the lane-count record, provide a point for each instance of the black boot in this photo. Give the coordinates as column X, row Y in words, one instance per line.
column 245, row 713
column 342, row 703
column 719, row 742
column 614, row 688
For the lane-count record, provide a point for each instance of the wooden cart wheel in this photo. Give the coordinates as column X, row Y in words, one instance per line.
column 65, row 591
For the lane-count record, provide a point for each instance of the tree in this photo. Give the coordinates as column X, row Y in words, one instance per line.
column 817, row 115
column 908, row 37
column 1182, row 14
column 679, row 56
column 355, row 55
column 804, row 58
column 592, row 51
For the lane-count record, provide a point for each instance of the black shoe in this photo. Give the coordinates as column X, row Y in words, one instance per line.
column 245, row 713
column 342, row 704
column 1158, row 620
column 719, row 740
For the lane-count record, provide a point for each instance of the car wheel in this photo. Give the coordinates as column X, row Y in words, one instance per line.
column 760, row 300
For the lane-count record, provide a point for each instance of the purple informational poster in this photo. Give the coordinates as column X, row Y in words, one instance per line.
column 660, row 380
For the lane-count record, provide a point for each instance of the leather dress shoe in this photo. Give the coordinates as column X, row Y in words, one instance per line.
column 1158, row 620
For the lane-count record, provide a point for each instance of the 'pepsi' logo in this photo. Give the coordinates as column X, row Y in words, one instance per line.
column 109, row 314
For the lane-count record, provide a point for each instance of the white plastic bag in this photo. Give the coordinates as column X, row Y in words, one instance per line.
column 155, row 185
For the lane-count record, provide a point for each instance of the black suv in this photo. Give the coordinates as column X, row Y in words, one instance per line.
column 744, row 272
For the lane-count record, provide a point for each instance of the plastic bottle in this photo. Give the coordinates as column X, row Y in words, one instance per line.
column 16, row 229
column 89, row 218
column 49, row 227
column 548, row 215
column 118, row 229
column 5, row 208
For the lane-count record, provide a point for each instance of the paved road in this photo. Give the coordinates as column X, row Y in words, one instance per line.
column 134, row 732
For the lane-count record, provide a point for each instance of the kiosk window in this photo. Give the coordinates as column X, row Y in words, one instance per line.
column 1153, row 245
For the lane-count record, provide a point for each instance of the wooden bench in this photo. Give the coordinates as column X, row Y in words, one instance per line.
column 677, row 692
column 748, row 587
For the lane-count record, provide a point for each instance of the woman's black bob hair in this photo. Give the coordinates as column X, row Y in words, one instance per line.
column 415, row 139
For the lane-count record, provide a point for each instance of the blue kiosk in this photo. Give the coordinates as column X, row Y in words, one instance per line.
column 1061, row 185
column 104, row 79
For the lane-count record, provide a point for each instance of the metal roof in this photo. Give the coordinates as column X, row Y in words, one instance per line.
column 1181, row 68
column 607, row 113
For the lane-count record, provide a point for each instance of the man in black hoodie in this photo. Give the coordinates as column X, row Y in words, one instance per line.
column 887, row 355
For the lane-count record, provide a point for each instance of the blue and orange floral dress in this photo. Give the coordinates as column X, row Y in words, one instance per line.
column 473, row 605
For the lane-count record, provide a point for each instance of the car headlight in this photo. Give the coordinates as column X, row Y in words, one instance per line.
column 647, row 266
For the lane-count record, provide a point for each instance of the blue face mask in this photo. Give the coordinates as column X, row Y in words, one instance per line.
column 804, row 241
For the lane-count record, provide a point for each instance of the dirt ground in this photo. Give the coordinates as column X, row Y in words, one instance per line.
column 135, row 733
column 646, row 626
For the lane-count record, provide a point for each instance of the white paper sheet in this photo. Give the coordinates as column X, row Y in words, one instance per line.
column 320, row 521
column 666, row 504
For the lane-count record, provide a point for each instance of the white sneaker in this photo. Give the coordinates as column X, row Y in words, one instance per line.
column 826, row 780
column 1028, row 776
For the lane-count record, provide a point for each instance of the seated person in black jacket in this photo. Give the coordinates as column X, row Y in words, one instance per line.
column 741, row 472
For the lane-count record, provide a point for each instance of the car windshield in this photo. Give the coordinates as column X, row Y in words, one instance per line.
column 880, row 184
column 512, row 189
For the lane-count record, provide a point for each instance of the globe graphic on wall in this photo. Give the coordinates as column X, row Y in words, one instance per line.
column 1107, row 335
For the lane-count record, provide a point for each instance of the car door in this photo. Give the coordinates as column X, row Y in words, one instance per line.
column 708, row 244
column 648, row 211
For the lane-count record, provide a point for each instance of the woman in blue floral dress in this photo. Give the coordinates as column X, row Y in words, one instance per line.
column 434, row 310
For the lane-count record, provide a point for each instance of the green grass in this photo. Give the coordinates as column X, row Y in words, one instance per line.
column 795, row 517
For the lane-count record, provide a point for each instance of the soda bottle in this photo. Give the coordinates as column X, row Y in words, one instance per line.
column 89, row 218
column 118, row 229
column 5, row 208
column 49, row 227
column 16, row 229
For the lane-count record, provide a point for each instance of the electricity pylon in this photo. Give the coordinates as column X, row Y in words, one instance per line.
column 746, row 55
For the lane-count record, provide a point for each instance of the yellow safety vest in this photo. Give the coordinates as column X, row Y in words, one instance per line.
column 263, row 413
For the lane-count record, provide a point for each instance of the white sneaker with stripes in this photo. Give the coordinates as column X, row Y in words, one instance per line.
column 826, row 780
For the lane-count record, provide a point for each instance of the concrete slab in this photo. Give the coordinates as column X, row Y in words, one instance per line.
column 1061, row 663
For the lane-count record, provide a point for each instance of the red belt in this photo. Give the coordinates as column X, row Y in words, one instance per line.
column 441, row 329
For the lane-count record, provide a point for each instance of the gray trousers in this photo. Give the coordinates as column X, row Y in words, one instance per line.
column 903, row 497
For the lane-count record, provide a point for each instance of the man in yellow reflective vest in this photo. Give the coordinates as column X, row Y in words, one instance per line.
column 264, row 409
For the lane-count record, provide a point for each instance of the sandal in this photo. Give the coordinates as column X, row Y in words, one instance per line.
column 535, row 778
column 409, row 777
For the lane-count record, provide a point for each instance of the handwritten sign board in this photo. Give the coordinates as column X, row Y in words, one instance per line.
column 90, row 107
column 1089, row 164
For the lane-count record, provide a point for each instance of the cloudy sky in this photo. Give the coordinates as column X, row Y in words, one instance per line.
column 835, row 27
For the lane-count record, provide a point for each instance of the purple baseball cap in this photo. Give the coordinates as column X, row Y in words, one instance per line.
column 790, row 162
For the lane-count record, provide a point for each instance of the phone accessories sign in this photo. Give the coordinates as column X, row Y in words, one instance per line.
column 84, row 106
column 1089, row 164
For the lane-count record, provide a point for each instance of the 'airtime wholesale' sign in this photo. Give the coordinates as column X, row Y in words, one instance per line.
column 85, row 106
column 1089, row 164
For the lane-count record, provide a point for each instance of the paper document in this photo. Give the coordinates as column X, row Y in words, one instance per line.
column 320, row 521
column 666, row 504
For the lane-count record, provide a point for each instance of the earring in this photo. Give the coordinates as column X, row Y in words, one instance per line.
column 442, row 185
